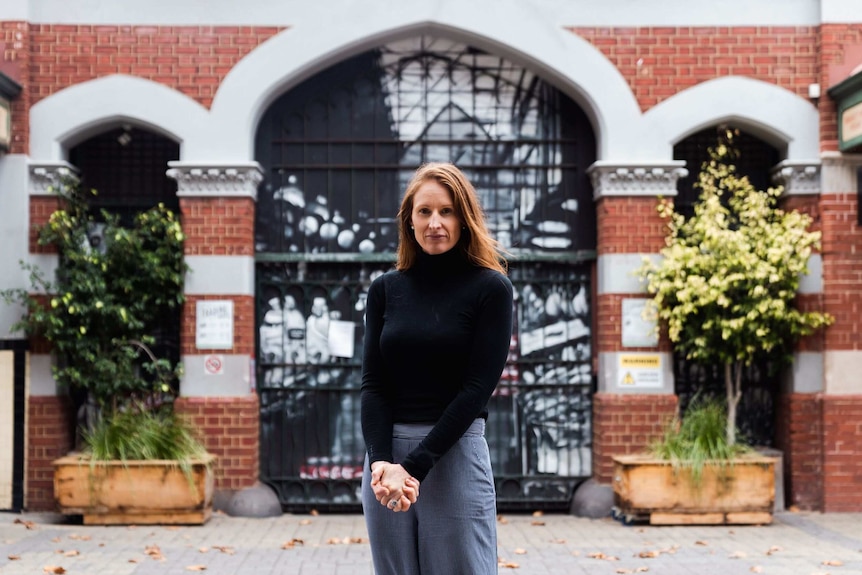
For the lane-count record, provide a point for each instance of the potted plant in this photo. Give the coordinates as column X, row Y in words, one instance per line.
column 113, row 284
column 726, row 284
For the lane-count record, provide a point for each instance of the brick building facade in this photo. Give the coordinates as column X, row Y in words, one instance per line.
column 645, row 77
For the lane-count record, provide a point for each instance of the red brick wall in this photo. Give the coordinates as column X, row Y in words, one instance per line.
column 15, row 63
column 672, row 59
column 799, row 435
column 842, row 270
column 190, row 59
column 41, row 208
column 230, row 429
column 49, row 436
column 624, row 424
column 243, row 327
column 842, row 453
column 629, row 225
column 218, row 226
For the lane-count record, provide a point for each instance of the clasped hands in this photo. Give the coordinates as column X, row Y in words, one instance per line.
column 393, row 487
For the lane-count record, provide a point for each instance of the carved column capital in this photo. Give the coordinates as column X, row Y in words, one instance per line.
column 798, row 177
column 636, row 179
column 46, row 177
column 216, row 180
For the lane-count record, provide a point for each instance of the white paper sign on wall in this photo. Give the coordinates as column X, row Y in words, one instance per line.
column 214, row 324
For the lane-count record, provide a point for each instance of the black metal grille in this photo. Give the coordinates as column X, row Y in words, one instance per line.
column 310, row 341
column 756, row 414
column 756, row 160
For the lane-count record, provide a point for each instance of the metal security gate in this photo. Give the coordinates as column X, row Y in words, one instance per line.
column 13, row 365
column 337, row 152
column 539, row 429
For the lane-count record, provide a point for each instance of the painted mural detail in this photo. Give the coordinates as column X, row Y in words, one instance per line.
column 338, row 150
column 311, row 336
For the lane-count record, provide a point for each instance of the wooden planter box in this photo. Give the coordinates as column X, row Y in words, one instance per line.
column 134, row 492
column 739, row 493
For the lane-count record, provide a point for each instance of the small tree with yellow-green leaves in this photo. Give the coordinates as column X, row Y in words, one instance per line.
column 728, row 277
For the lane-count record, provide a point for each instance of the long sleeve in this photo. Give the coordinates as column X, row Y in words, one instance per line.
column 375, row 397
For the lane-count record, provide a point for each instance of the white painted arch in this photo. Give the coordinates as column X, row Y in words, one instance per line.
column 522, row 34
column 78, row 112
column 773, row 114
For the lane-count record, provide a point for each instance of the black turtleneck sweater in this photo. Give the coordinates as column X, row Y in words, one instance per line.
column 436, row 341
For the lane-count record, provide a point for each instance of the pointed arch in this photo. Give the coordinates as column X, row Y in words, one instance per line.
column 105, row 103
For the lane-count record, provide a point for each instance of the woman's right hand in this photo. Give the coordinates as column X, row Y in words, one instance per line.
column 393, row 487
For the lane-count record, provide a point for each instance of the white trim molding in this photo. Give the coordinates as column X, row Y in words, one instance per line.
column 46, row 176
column 799, row 178
column 234, row 380
column 216, row 180
column 220, row 275
column 615, row 179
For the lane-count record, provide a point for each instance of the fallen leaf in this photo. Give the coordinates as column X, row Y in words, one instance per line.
column 561, row 541
column 520, row 551
column 314, row 513
column 623, row 571
column 203, row 549
column 641, row 569
column 305, row 522
column 155, row 552
column 537, row 523
column 774, row 549
column 737, row 555
column 649, row 554
column 602, row 556
column 14, row 557
column 292, row 543
column 196, row 568
column 793, row 509
column 27, row 524
column 756, row 569
column 77, row 537
column 72, row 553
column 227, row 549
column 53, row 570
column 537, row 513
column 56, row 539
column 502, row 520
column 704, row 543
column 133, row 560
column 833, row 563
column 507, row 564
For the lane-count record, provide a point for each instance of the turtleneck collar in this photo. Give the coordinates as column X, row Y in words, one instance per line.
column 442, row 265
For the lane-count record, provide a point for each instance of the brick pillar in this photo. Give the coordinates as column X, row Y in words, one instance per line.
column 217, row 390
column 50, row 421
column 635, row 378
column 842, row 356
column 798, row 424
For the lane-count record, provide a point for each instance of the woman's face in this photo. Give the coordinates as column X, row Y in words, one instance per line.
column 435, row 224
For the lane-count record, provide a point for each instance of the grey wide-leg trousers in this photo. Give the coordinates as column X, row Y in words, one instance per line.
column 452, row 528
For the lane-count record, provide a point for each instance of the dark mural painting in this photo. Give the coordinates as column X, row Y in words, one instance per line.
column 337, row 151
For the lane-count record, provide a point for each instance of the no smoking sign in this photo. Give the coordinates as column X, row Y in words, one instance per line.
column 213, row 365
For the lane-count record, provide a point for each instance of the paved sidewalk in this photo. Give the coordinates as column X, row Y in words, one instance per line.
column 795, row 544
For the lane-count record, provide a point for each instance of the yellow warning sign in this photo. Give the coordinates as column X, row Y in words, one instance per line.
column 640, row 370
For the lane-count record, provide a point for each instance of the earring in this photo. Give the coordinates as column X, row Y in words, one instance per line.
column 411, row 227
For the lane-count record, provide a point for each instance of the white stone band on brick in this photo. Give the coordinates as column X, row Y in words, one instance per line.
column 616, row 179
column 798, row 177
column 216, row 180
column 44, row 176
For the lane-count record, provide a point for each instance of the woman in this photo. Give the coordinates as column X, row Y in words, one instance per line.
column 436, row 341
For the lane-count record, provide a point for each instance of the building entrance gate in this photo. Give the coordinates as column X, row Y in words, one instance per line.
column 337, row 152
column 539, row 428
